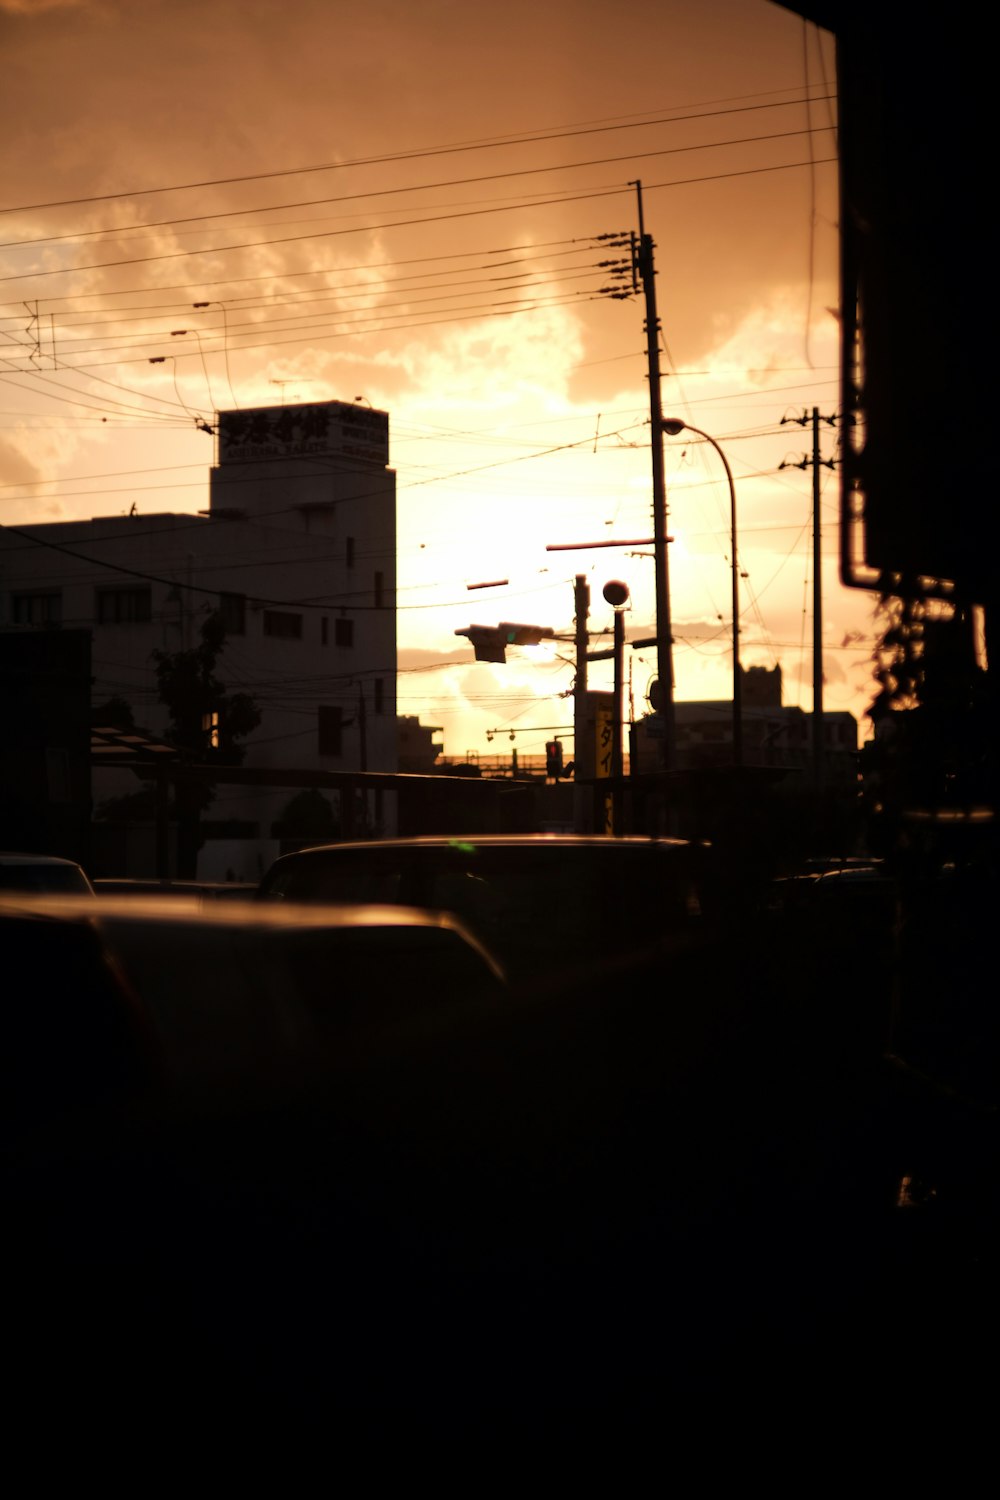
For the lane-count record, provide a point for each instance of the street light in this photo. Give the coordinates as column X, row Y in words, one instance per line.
column 199, row 421
column 673, row 427
column 179, row 333
column 202, row 307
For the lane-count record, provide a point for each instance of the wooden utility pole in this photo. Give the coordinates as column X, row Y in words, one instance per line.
column 618, row 761
column 818, row 739
column 581, row 612
column 642, row 261
column 817, row 723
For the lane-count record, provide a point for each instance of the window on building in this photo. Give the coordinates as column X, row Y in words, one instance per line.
column 37, row 609
column 343, row 632
column 331, row 730
column 233, row 609
column 124, row 606
column 378, row 590
column 324, row 631
column 210, row 729
column 350, row 552
column 282, row 625
column 379, row 695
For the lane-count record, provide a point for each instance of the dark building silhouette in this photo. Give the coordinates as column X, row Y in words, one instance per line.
column 919, row 519
column 45, row 747
column 913, row 104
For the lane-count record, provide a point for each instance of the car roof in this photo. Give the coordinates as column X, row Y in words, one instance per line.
column 188, row 909
column 114, row 885
column 464, row 843
column 133, row 913
column 11, row 858
column 240, row 998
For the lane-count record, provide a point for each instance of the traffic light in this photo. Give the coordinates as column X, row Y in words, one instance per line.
column 553, row 759
column 487, row 642
column 524, row 635
column 491, row 641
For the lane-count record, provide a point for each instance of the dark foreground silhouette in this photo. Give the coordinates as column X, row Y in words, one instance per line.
column 706, row 1176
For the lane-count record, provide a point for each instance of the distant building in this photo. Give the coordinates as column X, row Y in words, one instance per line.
column 297, row 551
column 774, row 735
column 418, row 751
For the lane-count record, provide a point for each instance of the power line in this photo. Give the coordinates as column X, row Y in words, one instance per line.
column 416, row 260
column 439, row 294
column 530, row 256
column 420, row 154
column 421, row 187
column 590, row 196
column 362, row 326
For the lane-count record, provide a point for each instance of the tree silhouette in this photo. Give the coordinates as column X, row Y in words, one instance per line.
column 206, row 724
column 308, row 817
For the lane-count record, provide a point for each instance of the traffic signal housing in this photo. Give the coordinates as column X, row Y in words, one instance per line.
column 486, row 642
column 553, row 759
column 491, row 641
column 524, row 635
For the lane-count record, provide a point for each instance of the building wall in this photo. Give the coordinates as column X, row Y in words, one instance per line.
column 761, row 687
column 297, row 549
column 418, row 750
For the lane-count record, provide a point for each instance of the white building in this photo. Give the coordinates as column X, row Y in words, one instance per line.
column 298, row 552
column 774, row 734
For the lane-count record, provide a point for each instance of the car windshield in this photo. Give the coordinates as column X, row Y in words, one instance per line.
column 537, row 907
column 65, row 879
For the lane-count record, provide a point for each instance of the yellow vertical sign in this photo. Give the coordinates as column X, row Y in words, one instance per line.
column 604, row 727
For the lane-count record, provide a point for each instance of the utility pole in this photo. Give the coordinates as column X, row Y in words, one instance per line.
column 618, row 762
column 581, row 613
column 363, row 736
column 581, row 619
column 817, row 724
column 817, row 641
column 642, row 266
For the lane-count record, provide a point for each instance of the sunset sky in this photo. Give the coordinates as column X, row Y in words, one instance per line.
column 404, row 203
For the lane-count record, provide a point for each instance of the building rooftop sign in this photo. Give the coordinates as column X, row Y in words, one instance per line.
column 329, row 427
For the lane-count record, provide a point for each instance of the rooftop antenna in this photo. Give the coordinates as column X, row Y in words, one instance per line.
column 283, row 383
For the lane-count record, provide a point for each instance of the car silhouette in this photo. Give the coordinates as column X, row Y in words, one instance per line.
column 242, row 999
column 545, row 904
column 42, row 872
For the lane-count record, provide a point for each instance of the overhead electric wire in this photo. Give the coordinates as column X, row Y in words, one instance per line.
column 456, row 316
column 304, row 604
column 413, row 260
column 70, row 401
column 158, row 340
column 436, row 434
column 125, row 405
column 176, row 310
column 134, row 532
column 421, row 187
column 419, row 154
column 536, row 203
column 440, row 294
